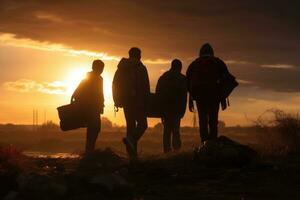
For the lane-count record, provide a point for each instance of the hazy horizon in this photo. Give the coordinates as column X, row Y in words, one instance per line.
column 46, row 48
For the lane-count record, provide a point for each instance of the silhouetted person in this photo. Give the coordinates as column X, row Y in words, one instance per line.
column 131, row 90
column 203, row 76
column 171, row 91
column 89, row 96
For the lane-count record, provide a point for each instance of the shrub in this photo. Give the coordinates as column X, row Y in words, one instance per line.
column 279, row 132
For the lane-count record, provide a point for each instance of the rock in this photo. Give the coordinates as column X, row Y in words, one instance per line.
column 58, row 189
column 12, row 195
column 35, row 186
column 110, row 182
column 225, row 151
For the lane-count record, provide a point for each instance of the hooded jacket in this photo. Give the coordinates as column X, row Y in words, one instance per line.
column 89, row 93
column 131, row 84
column 171, row 91
column 203, row 78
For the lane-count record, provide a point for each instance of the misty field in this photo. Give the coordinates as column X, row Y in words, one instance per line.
column 52, row 140
column 273, row 173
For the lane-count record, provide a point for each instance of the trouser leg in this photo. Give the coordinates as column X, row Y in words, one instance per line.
column 176, row 141
column 167, row 135
column 130, row 141
column 213, row 121
column 130, row 122
column 141, row 126
column 203, row 121
column 93, row 129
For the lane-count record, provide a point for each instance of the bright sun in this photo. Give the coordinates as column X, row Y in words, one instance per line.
column 75, row 76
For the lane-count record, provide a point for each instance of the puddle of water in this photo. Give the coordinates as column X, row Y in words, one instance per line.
column 37, row 154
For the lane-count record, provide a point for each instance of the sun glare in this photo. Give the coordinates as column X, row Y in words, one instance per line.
column 75, row 76
column 73, row 79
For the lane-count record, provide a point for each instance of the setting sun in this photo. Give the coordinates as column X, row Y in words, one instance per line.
column 74, row 77
column 196, row 99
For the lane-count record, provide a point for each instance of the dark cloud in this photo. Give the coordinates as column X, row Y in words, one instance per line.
column 255, row 32
column 276, row 79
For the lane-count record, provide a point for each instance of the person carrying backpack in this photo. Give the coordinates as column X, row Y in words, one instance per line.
column 171, row 91
column 131, row 90
column 89, row 97
column 209, row 84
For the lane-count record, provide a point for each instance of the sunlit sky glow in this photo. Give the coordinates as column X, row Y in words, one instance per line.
column 47, row 48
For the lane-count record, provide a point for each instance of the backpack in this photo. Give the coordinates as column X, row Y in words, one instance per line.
column 117, row 89
column 204, row 78
column 217, row 82
column 227, row 84
column 122, row 83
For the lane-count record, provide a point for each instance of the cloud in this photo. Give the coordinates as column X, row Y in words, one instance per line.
column 245, row 82
column 240, row 62
column 31, row 86
column 162, row 28
column 241, row 32
column 49, row 17
column 280, row 66
column 157, row 61
column 11, row 40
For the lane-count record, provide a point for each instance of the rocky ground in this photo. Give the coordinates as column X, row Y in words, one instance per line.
column 105, row 175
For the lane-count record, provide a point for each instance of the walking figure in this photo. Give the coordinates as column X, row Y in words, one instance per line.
column 171, row 91
column 131, row 90
column 205, row 78
column 90, row 99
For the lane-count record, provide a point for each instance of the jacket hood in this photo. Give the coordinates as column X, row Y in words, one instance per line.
column 127, row 62
column 206, row 50
column 92, row 74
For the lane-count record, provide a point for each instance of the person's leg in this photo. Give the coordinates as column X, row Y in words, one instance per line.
column 93, row 129
column 129, row 140
column 142, row 125
column 203, row 121
column 130, row 122
column 213, row 121
column 176, row 141
column 167, row 135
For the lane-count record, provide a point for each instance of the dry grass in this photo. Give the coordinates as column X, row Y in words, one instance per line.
column 278, row 133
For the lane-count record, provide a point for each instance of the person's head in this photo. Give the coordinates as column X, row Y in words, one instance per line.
column 98, row 66
column 135, row 53
column 206, row 50
column 176, row 65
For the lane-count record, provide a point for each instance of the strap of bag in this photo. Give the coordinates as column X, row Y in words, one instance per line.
column 116, row 109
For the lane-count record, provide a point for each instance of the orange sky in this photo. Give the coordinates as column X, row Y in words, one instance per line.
column 44, row 77
column 46, row 47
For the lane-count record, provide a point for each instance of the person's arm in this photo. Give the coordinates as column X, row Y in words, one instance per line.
column 183, row 96
column 223, row 71
column 158, row 86
column 191, row 103
column 147, row 82
column 76, row 92
column 188, row 79
column 101, row 97
column 222, row 67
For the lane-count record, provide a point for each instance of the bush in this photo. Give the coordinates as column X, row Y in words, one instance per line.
column 279, row 132
column 49, row 126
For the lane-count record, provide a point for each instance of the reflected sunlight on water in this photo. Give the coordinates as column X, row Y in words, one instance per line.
column 37, row 154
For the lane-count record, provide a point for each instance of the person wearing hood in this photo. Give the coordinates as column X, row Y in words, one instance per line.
column 90, row 98
column 171, row 91
column 203, row 77
column 131, row 91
